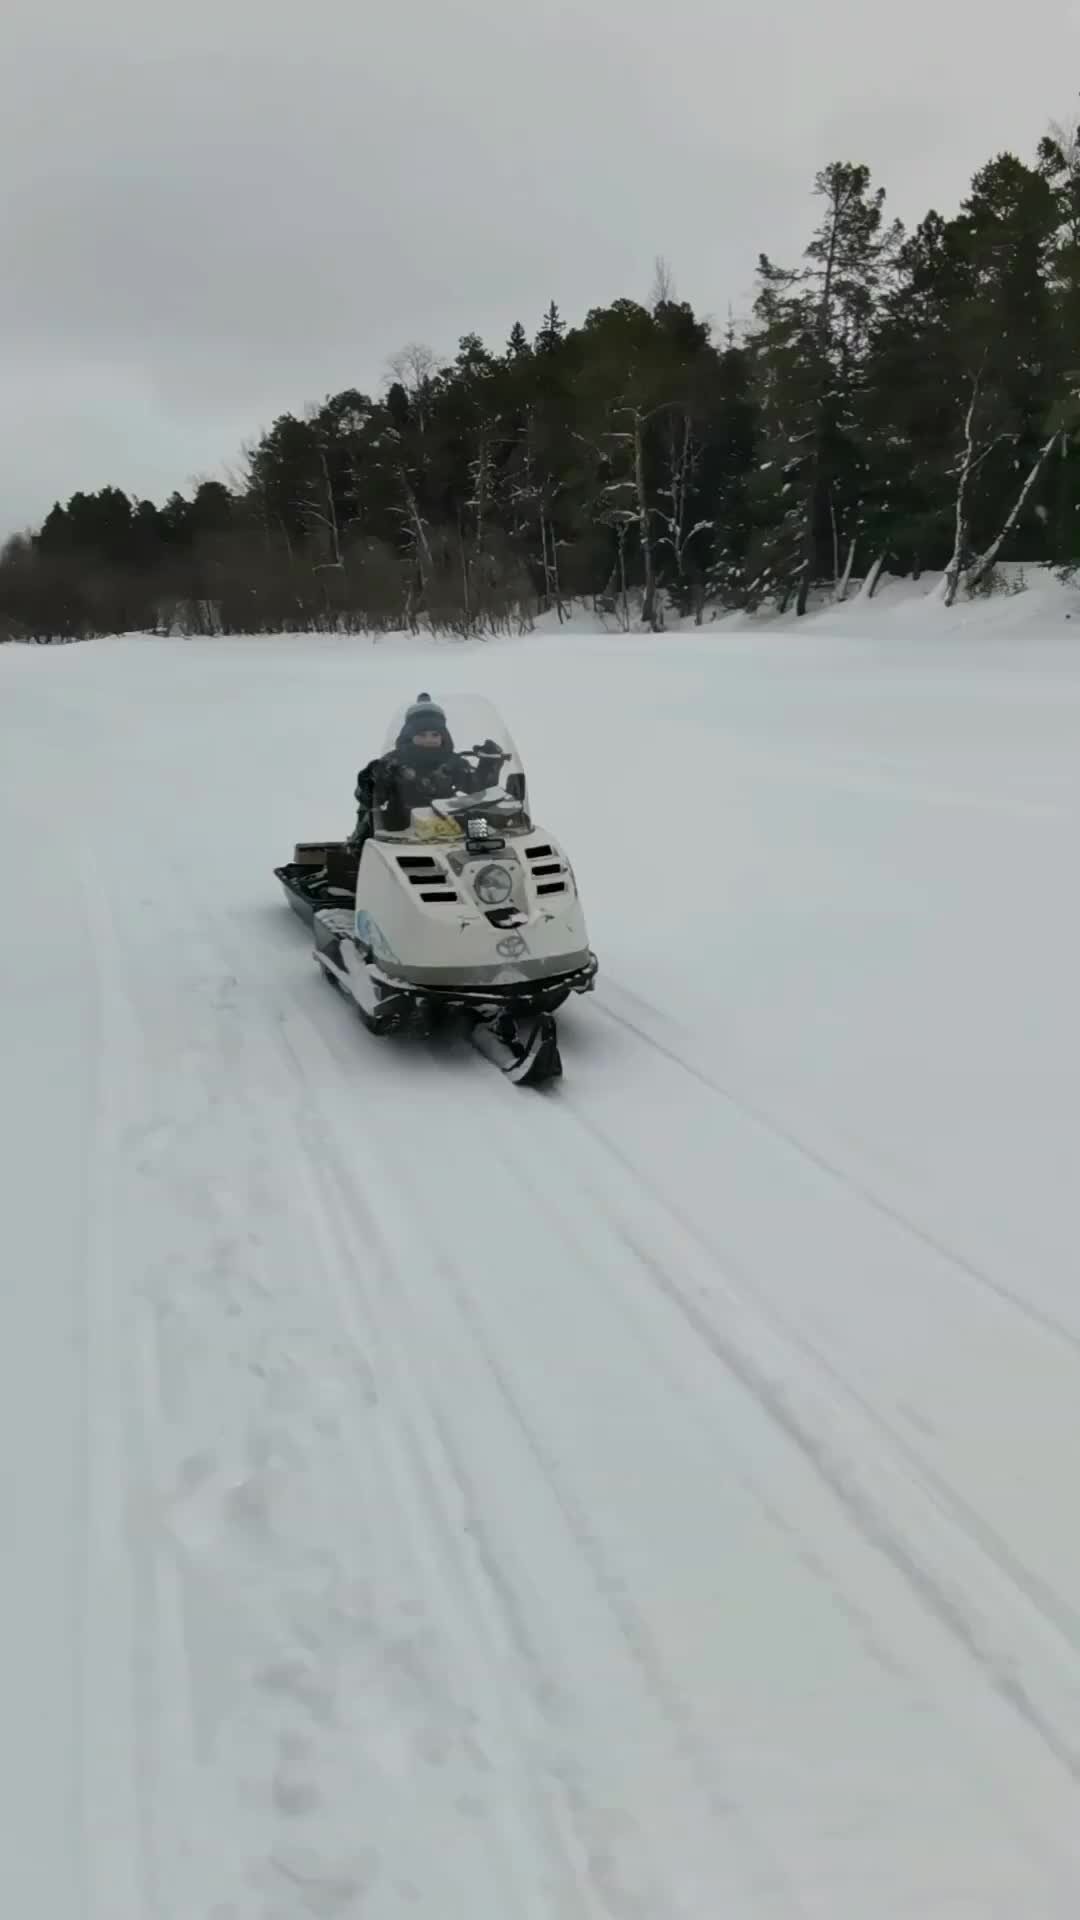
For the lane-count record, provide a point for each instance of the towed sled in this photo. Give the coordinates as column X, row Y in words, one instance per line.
column 457, row 909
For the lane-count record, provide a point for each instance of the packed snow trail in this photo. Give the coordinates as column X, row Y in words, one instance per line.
column 640, row 1501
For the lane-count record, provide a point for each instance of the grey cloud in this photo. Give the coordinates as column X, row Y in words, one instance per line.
column 209, row 218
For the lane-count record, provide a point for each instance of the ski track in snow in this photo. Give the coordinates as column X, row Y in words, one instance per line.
column 631, row 1502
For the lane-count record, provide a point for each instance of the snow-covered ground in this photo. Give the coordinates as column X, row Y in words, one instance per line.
column 650, row 1500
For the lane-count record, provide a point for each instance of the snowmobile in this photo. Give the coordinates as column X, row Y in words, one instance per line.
column 459, row 907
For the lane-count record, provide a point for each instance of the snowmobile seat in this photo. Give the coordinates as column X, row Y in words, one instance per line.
column 342, row 867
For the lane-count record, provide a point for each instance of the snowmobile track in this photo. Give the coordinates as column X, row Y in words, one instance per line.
column 574, row 1815
column 757, row 1116
column 999, row 1665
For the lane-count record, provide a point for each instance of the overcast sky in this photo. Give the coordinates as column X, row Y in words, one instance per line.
column 218, row 210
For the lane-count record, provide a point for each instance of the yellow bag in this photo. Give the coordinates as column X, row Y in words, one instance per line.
column 433, row 827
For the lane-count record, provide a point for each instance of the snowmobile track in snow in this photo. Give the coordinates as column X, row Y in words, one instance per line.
column 574, row 1819
column 782, row 1133
column 999, row 1663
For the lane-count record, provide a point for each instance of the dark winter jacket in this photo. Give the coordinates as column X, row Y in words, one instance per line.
column 412, row 777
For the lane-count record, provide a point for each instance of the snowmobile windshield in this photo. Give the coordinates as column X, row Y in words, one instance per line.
column 450, row 771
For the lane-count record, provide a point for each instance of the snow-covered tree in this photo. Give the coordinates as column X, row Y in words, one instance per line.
column 811, row 341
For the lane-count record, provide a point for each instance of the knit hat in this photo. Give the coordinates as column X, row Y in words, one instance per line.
column 424, row 716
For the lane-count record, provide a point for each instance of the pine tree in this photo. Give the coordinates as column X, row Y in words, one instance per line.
column 1059, row 164
column 1002, row 337
column 811, row 343
column 517, row 346
column 730, row 439
column 550, row 336
column 912, row 395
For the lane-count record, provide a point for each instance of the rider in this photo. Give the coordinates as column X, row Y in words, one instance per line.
column 422, row 767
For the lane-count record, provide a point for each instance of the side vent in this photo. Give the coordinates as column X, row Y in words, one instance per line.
column 546, row 869
column 421, row 870
column 424, row 871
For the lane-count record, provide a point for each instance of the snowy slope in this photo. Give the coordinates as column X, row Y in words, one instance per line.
column 648, row 1501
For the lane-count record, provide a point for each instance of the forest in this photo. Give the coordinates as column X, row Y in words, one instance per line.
column 896, row 400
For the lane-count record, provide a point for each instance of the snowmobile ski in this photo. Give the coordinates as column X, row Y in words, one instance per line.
column 526, row 1061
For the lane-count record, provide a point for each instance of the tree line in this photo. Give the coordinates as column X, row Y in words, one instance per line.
column 897, row 400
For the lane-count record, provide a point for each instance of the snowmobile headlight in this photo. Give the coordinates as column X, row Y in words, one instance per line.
column 493, row 886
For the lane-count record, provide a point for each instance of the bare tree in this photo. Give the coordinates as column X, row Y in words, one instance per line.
column 978, row 443
column 663, row 286
column 415, row 367
column 965, row 470
column 681, row 458
column 978, row 572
